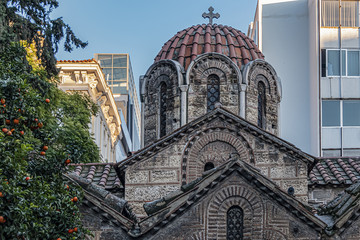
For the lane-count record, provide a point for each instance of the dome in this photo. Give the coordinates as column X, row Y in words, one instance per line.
column 199, row 39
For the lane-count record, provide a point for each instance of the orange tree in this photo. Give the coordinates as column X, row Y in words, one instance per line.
column 42, row 130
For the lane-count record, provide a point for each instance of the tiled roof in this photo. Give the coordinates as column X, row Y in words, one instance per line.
column 101, row 174
column 199, row 39
column 341, row 212
column 335, row 171
column 78, row 61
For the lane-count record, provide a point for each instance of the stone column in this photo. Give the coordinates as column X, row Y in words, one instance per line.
column 183, row 108
column 142, row 98
column 242, row 100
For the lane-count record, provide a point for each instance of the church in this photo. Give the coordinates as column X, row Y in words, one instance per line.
column 213, row 165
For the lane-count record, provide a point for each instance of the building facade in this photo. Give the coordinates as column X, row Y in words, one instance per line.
column 120, row 78
column 213, row 165
column 322, row 86
column 86, row 76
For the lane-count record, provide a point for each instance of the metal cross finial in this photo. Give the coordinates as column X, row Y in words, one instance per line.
column 211, row 15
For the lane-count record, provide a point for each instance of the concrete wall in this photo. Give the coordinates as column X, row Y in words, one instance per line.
column 286, row 34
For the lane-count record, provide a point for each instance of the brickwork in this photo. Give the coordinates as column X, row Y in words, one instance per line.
column 261, row 71
column 162, row 72
column 198, row 77
column 263, row 218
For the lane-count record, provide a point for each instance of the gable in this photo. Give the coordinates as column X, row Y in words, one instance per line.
column 234, row 183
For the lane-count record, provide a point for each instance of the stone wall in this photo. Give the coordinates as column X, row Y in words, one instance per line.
column 262, row 72
column 198, row 78
column 319, row 195
column 263, row 218
column 162, row 72
column 183, row 161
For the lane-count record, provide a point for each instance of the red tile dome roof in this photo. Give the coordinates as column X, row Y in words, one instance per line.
column 199, row 39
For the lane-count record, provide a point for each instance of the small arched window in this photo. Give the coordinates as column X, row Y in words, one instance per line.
column 208, row 166
column 234, row 223
column 213, row 91
column 163, row 108
column 261, row 105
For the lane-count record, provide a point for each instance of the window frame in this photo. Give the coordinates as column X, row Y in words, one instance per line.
column 341, row 126
column 340, row 20
column 340, row 65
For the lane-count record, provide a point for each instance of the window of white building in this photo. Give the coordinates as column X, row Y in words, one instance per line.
column 349, row 13
column 350, row 62
column 340, row 128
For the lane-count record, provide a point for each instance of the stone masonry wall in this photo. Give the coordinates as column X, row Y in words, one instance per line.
column 197, row 95
column 162, row 73
column 183, row 161
column 260, row 72
column 263, row 218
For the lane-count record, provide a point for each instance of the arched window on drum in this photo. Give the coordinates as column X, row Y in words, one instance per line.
column 261, row 105
column 163, row 108
column 213, row 91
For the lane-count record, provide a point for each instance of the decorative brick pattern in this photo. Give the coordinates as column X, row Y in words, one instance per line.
column 239, row 195
column 216, row 144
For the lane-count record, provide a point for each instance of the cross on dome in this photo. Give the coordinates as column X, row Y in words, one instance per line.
column 211, row 15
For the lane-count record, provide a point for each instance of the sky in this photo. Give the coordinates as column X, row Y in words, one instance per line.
column 141, row 27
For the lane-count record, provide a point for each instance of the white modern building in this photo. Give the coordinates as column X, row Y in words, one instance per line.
column 314, row 46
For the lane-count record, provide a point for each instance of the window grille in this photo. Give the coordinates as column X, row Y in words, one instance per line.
column 163, row 108
column 234, row 223
column 261, row 104
column 213, row 91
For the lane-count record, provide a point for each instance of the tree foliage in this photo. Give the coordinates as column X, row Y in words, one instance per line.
column 42, row 129
column 30, row 20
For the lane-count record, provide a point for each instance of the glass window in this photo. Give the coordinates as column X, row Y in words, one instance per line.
column 349, row 13
column 351, row 152
column 119, row 73
column 331, row 152
column 105, row 60
column 330, row 13
column 351, row 113
column 120, row 60
column 108, row 74
column 330, row 113
column 353, row 63
column 333, row 63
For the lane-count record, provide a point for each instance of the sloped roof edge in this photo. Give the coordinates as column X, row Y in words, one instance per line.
column 247, row 126
column 176, row 203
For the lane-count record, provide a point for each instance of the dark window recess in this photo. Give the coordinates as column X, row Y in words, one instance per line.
column 261, row 105
column 208, row 166
column 234, row 223
column 163, row 106
column 323, row 62
column 213, row 91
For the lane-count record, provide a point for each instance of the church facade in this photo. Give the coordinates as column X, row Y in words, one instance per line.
column 213, row 165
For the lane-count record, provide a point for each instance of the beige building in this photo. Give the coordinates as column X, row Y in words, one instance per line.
column 87, row 77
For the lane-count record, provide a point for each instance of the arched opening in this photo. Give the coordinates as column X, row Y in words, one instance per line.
column 208, row 166
column 261, row 105
column 234, row 223
column 213, row 91
column 163, row 108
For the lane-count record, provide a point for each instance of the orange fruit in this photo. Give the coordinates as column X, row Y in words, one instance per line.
column 47, row 100
column 42, row 153
column 68, row 161
column 75, row 229
column 7, row 121
column 2, row 101
column 75, row 199
column 16, row 121
column 5, row 130
column 70, row 231
column 27, row 178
